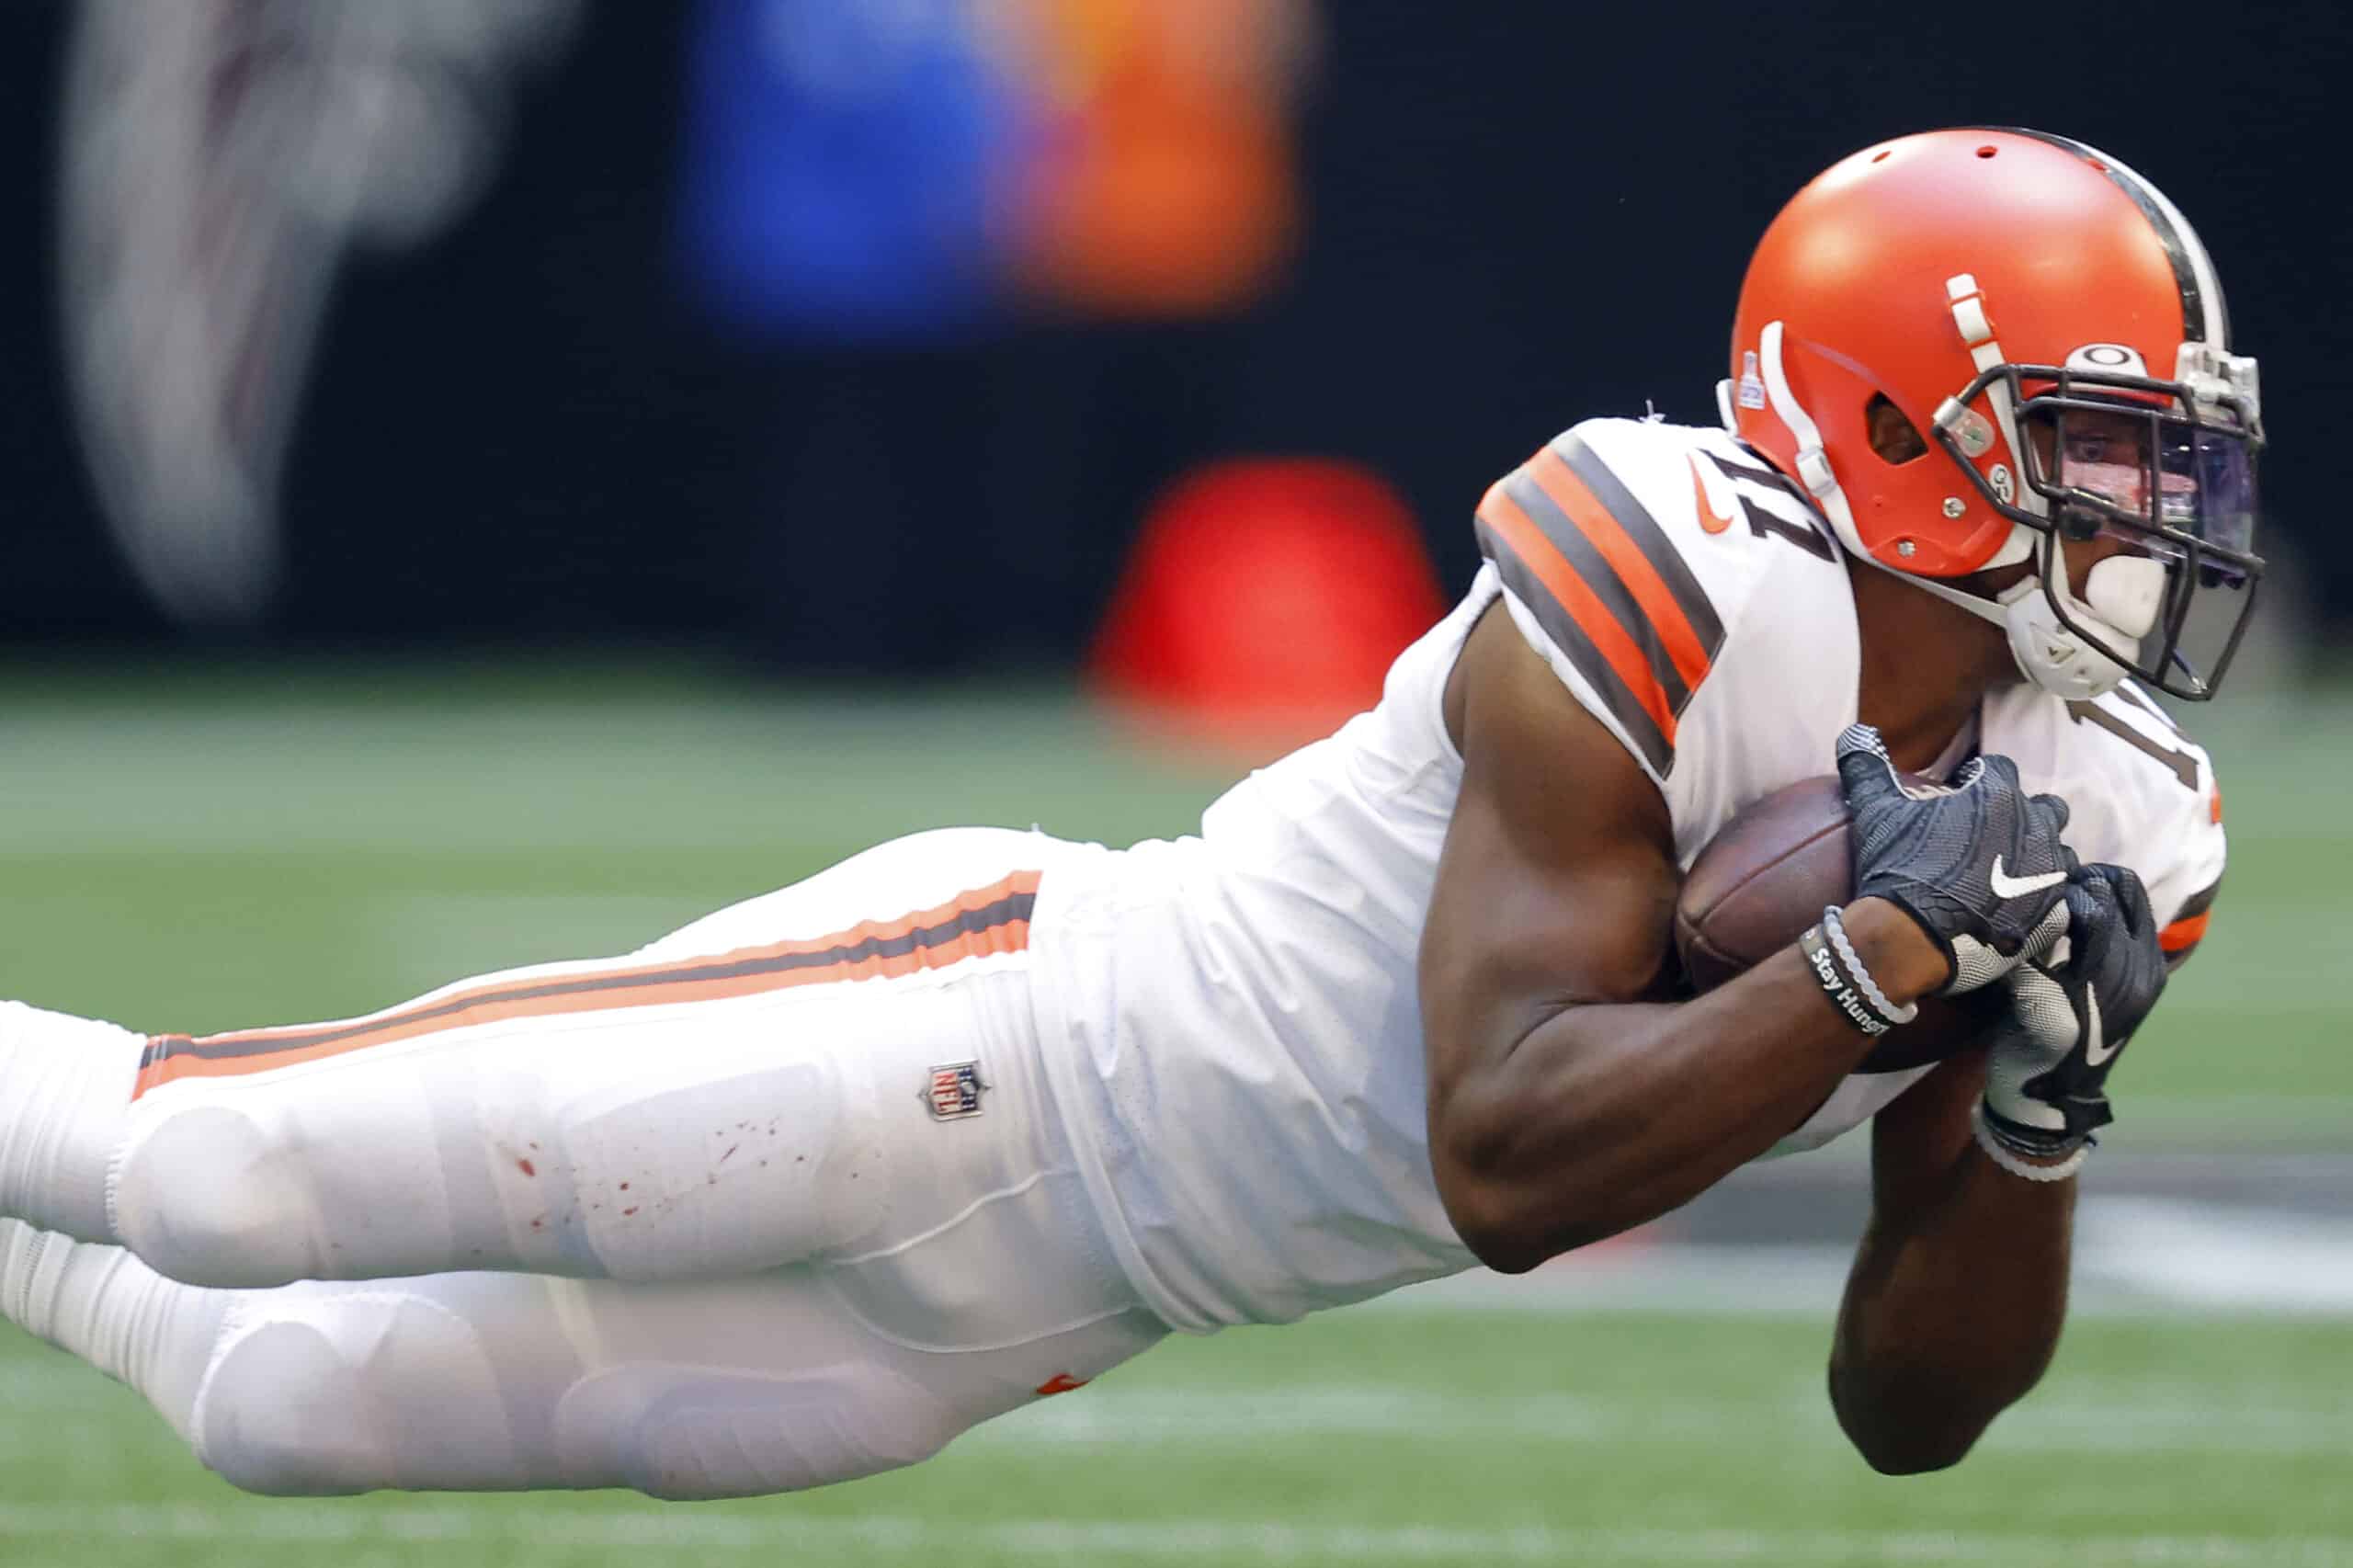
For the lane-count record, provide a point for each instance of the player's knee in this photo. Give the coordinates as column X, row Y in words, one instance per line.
column 284, row 1413
column 208, row 1196
column 742, row 1436
column 354, row 1392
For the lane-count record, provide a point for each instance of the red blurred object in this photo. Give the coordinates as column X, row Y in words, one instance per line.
column 1264, row 602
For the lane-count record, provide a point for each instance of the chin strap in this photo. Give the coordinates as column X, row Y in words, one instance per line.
column 1976, row 330
column 2125, row 591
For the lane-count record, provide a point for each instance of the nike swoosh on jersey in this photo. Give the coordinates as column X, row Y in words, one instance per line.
column 2097, row 1050
column 1711, row 520
column 2006, row 886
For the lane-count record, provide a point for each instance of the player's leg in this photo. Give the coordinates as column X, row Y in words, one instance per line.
column 799, row 1378
column 104, row 1305
column 717, row 1104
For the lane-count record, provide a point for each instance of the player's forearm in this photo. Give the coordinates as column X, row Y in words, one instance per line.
column 1603, row 1116
column 1951, row 1314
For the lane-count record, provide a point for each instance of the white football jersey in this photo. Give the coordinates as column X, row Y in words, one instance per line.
column 1233, row 1018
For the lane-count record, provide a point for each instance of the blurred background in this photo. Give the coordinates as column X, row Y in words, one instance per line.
column 487, row 481
column 859, row 335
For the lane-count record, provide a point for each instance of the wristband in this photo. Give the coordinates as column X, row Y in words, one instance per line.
column 1835, row 927
column 1990, row 1141
column 1838, row 969
column 1830, row 973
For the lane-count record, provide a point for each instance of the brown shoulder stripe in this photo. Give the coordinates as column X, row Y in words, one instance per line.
column 1585, row 558
column 1579, row 625
column 1690, row 598
column 1613, row 594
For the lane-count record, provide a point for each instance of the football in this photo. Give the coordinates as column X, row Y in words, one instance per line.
column 1766, row 878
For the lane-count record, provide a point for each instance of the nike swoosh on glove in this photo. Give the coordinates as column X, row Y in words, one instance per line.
column 1980, row 865
column 2046, row 1076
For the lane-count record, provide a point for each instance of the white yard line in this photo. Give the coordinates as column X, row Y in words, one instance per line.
column 2134, row 1257
column 643, row 1531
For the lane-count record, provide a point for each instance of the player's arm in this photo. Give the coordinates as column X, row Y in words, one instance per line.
column 1566, row 1102
column 1959, row 1288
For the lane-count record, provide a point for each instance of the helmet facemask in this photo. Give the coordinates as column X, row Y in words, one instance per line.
column 2167, row 468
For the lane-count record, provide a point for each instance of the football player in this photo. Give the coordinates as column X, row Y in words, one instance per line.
column 811, row 1186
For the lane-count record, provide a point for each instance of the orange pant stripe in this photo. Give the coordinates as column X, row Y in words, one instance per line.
column 994, row 919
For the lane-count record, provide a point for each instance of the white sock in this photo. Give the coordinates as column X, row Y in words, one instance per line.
column 104, row 1305
column 65, row 1087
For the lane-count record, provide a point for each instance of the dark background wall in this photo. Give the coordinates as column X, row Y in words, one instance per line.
column 1519, row 215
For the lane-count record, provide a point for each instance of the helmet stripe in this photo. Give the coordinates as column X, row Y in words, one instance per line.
column 2204, row 317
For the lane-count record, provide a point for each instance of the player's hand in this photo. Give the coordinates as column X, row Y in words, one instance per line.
column 2046, row 1076
column 1980, row 865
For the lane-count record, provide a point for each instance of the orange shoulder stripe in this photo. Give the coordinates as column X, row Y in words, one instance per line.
column 1504, row 515
column 1633, row 568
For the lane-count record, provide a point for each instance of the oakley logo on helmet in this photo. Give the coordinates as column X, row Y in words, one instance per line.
column 2108, row 357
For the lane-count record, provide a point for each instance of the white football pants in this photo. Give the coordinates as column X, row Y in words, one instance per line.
column 784, row 1199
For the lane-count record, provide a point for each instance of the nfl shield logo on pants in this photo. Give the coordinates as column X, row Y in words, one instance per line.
column 953, row 1091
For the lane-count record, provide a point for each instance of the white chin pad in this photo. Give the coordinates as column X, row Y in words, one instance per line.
column 2125, row 591
column 2071, row 665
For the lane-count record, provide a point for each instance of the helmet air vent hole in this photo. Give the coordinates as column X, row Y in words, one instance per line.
column 1893, row 436
column 1880, row 156
column 1988, row 151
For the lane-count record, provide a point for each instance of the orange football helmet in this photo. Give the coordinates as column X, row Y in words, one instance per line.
column 1992, row 285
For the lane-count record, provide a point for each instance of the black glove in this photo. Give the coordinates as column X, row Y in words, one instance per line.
column 1979, row 865
column 2047, row 1073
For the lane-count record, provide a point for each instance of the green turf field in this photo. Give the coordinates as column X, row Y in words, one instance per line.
column 1375, row 1437
column 212, row 849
